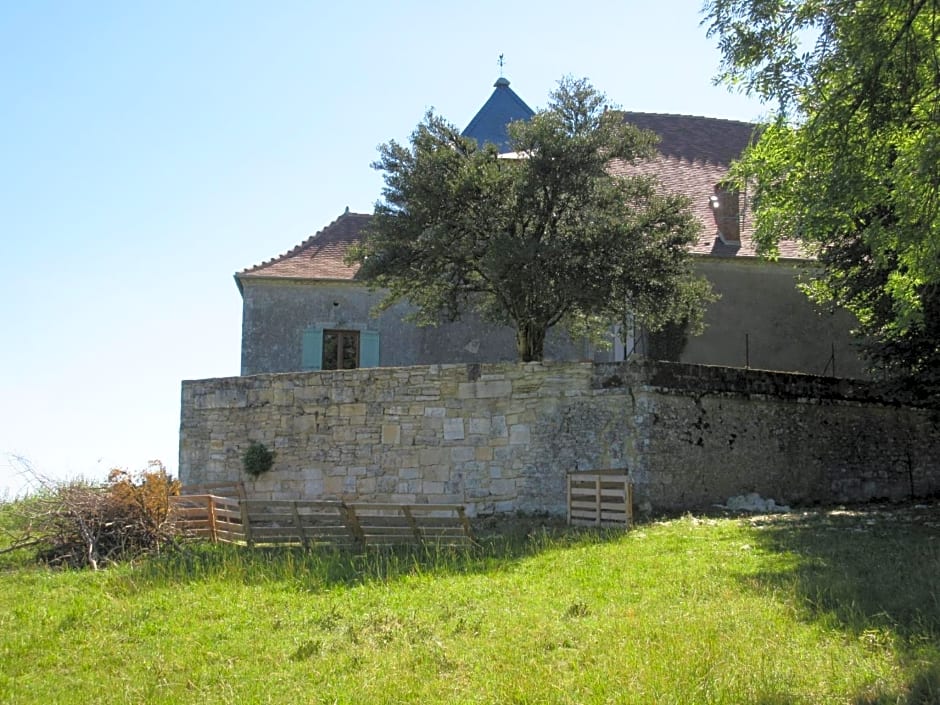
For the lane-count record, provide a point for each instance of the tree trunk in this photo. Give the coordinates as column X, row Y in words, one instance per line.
column 530, row 341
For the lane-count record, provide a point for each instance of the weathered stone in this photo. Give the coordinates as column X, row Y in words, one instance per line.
column 461, row 454
column 453, row 430
column 484, row 389
column 434, row 456
column 391, row 434
column 432, row 488
column 688, row 436
column 483, row 453
column 349, row 410
column 519, row 434
column 480, row 425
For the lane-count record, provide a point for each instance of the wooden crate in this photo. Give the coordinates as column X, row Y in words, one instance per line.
column 600, row 499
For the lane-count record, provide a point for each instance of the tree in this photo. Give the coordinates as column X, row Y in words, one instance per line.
column 851, row 163
column 541, row 237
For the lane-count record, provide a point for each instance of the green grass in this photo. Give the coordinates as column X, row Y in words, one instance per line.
column 824, row 607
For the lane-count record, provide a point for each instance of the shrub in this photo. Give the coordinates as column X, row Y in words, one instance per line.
column 257, row 459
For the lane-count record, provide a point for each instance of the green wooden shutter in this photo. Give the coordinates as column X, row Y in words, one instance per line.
column 312, row 351
column 369, row 348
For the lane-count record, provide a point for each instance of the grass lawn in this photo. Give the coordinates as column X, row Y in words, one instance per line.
column 828, row 606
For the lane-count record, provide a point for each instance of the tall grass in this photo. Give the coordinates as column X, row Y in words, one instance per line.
column 821, row 608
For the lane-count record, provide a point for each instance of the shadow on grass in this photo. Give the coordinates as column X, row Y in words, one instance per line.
column 872, row 572
column 323, row 567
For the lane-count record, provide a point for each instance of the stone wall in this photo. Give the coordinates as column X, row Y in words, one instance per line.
column 763, row 320
column 760, row 320
column 502, row 437
column 275, row 313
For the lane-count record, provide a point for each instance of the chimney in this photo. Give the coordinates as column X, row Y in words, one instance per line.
column 726, row 210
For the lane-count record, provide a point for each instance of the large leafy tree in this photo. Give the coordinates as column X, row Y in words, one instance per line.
column 851, row 162
column 541, row 237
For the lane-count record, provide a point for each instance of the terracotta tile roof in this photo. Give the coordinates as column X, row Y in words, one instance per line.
column 697, row 180
column 696, row 138
column 320, row 256
column 694, row 154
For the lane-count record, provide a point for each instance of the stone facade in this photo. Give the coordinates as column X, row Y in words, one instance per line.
column 276, row 312
column 760, row 319
column 502, row 437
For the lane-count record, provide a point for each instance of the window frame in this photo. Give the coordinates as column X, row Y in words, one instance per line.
column 341, row 334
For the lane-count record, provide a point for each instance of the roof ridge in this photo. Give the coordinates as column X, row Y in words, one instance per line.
column 688, row 115
column 297, row 249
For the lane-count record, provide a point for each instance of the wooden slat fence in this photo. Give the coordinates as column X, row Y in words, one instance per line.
column 444, row 524
column 319, row 522
column 600, row 499
column 304, row 522
column 209, row 516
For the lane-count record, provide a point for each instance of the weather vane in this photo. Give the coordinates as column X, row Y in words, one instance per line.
column 501, row 62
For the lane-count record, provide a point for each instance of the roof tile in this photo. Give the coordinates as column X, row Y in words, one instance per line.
column 694, row 154
column 320, row 256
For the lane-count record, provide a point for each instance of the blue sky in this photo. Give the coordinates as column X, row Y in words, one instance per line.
column 149, row 150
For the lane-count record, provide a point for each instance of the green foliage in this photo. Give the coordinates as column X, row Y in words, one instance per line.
column 257, row 459
column 549, row 237
column 851, row 164
column 814, row 607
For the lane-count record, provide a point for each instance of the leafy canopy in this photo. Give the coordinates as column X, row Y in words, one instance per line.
column 851, row 164
column 540, row 237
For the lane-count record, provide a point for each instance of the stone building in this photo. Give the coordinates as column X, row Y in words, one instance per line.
column 307, row 310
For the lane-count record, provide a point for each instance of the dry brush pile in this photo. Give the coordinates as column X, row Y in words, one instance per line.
column 80, row 525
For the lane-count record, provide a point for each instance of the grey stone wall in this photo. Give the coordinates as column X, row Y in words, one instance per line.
column 502, row 437
column 275, row 313
column 757, row 299
column 784, row 330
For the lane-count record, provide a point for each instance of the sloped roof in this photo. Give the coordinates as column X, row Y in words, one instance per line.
column 502, row 108
column 696, row 138
column 320, row 256
column 694, row 154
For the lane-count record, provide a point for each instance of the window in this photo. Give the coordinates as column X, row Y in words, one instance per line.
column 340, row 350
column 332, row 349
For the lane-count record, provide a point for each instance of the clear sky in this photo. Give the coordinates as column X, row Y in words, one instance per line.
column 149, row 150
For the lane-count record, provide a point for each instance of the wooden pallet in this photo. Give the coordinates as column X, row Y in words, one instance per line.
column 600, row 499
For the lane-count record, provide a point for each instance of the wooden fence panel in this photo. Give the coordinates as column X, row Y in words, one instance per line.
column 208, row 516
column 307, row 522
column 443, row 524
column 316, row 522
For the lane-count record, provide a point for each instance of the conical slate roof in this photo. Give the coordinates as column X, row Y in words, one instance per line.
column 503, row 107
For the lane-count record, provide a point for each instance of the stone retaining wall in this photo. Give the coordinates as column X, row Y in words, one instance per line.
column 502, row 437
